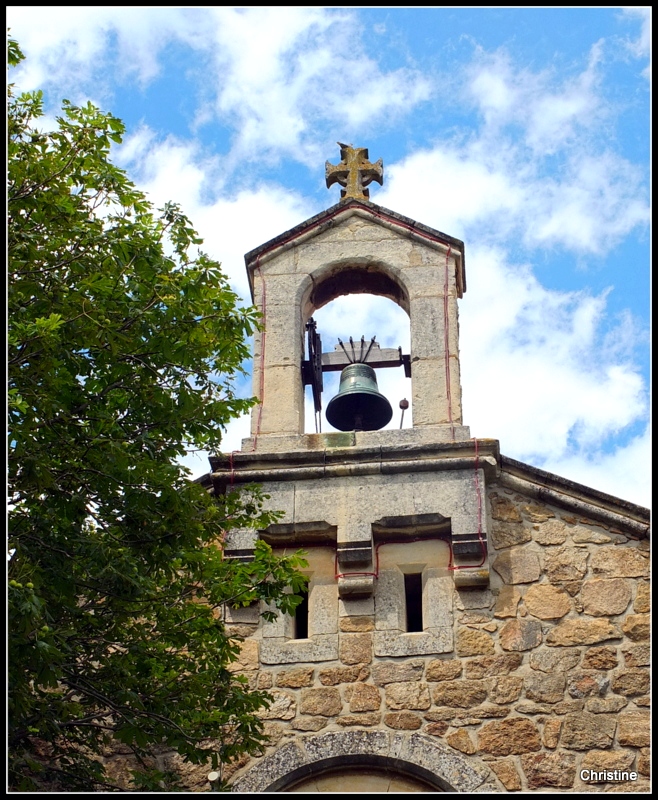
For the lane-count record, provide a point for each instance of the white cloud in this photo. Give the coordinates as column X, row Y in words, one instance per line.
column 281, row 72
column 625, row 472
column 641, row 47
column 534, row 374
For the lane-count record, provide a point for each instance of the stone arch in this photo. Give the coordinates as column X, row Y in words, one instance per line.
column 345, row 277
column 413, row 754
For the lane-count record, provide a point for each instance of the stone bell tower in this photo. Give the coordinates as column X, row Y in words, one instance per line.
column 410, row 666
column 417, row 481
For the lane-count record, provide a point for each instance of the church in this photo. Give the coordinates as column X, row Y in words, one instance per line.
column 472, row 623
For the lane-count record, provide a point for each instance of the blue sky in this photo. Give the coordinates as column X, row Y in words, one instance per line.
column 524, row 132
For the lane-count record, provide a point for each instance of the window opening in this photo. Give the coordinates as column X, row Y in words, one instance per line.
column 413, row 595
column 301, row 617
column 366, row 315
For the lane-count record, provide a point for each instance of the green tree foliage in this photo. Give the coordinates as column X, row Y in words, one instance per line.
column 123, row 349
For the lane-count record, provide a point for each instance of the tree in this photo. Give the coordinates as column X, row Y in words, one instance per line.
column 124, row 345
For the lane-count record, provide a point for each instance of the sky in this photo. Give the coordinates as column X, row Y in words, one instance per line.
column 523, row 132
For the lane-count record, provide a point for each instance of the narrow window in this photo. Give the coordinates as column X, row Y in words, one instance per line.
column 301, row 617
column 413, row 595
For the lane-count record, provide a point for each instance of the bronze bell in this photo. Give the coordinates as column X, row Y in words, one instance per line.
column 358, row 406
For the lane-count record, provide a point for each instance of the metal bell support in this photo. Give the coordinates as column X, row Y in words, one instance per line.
column 359, row 406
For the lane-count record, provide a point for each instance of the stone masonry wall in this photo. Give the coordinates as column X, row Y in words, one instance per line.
column 549, row 673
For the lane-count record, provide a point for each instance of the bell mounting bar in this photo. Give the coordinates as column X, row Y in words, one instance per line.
column 356, row 352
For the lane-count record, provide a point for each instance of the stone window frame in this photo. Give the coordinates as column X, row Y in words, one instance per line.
column 391, row 637
column 278, row 645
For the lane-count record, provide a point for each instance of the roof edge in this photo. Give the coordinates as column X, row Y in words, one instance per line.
column 576, row 497
column 367, row 206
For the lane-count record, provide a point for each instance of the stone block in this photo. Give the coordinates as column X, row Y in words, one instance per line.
column 459, row 694
column 509, row 737
column 636, row 655
column 403, row 720
column 588, row 684
column 508, row 534
column 554, row 660
column 356, row 607
column 438, row 670
column 637, row 627
column 389, row 601
column 607, row 760
column 582, row 631
column 545, row 688
column 355, row 648
column 605, row 705
column 436, row 728
column 283, row 706
column 536, row 513
column 633, row 730
column 620, row 562
column 504, row 509
column 307, row 724
column 489, row 666
column 364, row 720
column 517, row 565
column 461, row 740
column 600, row 658
column 389, row 672
column 631, row 682
column 505, row 689
column 365, row 697
column 474, row 642
column 438, row 591
column 547, row 601
column 520, row 634
column 582, row 535
column 473, row 598
column 357, row 624
column 553, row 531
column 247, row 659
column 323, row 608
column 585, row 731
column 565, row 564
column 551, row 734
column 642, row 603
column 507, row 601
column 323, row 702
column 605, row 596
column 506, row 774
column 295, row 678
column 409, row 695
column 549, row 769
column 644, row 762
column 290, row 651
column 429, row 642
column 331, row 676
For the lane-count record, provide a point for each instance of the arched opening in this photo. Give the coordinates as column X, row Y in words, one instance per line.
column 360, row 772
column 367, row 315
column 356, row 779
column 431, row 764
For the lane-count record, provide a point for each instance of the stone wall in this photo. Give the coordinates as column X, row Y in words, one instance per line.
column 549, row 673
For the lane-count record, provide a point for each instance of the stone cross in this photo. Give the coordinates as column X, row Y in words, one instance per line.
column 354, row 172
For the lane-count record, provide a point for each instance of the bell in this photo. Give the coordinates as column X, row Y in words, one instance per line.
column 358, row 406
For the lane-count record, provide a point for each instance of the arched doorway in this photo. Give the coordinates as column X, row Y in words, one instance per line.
column 361, row 779
column 384, row 760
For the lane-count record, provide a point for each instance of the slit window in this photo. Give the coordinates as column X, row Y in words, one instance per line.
column 413, row 595
column 301, row 617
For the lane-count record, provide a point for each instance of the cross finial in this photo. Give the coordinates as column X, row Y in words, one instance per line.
column 354, row 172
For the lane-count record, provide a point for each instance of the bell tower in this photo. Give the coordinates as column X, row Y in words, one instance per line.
column 356, row 247
column 356, row 489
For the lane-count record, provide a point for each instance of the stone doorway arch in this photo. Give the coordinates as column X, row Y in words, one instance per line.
column 425, row 762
